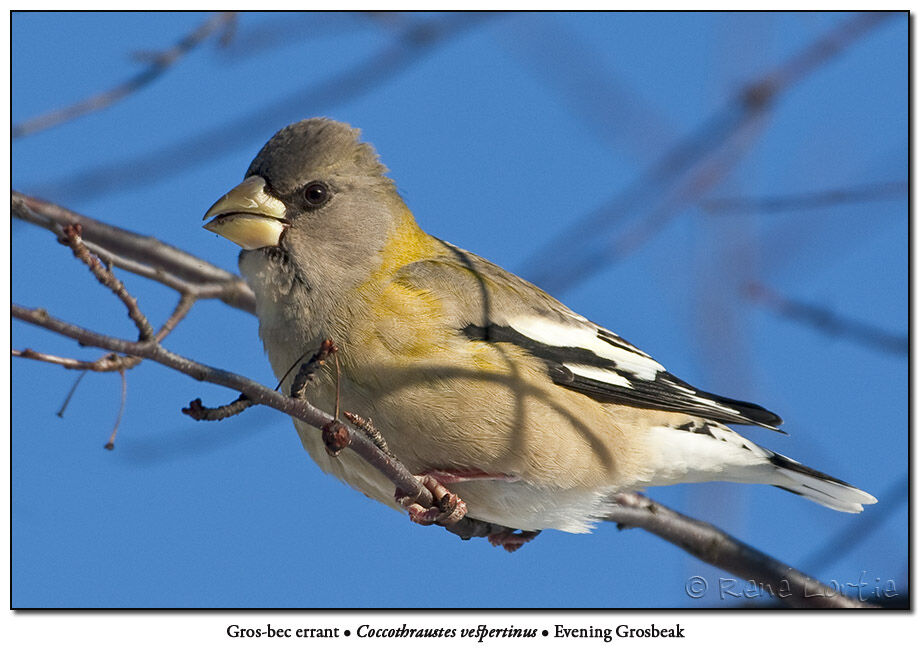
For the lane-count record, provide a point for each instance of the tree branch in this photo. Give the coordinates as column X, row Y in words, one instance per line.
column 73, row 240
column 631, row 510
column 823, row 319
column 141, row 255
column 809, row 200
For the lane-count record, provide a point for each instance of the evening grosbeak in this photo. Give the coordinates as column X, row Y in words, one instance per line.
column 533, row 414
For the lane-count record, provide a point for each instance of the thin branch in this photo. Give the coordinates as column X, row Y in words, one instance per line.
column 185, row 304
column 70, row 394
column 370, row 430
column 107, row 363
column 713, row 546
column 159, row 62
column 808, row 200
column 121, row 410
column 827, row 321
column 200, row 412
column 74, row 241
column 141, row 255
column 307, row 371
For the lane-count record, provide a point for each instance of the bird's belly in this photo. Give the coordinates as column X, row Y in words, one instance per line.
column 561, row 482
column 513, row 503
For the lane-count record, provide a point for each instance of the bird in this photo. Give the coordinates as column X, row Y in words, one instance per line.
column 534, row 416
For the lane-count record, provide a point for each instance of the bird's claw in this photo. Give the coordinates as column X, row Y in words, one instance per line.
column 511, row 540
column 446, row 507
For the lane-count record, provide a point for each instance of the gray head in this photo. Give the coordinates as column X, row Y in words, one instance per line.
column 313, row 210
column 317, row 147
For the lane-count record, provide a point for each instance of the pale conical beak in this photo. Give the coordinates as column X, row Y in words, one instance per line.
column 248, row 216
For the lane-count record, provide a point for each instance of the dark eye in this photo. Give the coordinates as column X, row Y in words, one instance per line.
column 316, row 194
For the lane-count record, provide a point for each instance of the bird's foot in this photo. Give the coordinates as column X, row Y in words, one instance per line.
column 511, row 540
column 446, row 508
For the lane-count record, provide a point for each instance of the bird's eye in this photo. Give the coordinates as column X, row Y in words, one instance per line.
column 316, row 194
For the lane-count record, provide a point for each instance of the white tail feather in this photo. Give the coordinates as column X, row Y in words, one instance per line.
column 819, row 487
column 712, row 452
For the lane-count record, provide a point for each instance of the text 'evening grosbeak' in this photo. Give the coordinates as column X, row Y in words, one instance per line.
column 535, row 414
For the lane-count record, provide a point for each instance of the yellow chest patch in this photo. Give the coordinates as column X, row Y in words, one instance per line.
column 400, row 321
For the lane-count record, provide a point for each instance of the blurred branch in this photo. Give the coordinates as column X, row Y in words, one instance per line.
column 159, row 62
column 632, row 510
column 849, row 536
column 412, row 44
column 280, row 29
column 808, row 200
column 680, row 175
column 826, row 321
column 600, row 97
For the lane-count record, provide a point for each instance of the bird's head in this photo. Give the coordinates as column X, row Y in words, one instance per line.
column 314, row 199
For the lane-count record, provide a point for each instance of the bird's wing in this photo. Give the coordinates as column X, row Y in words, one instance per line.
column 485, row 302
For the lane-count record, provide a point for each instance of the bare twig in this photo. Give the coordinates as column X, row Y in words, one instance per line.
column 141, row 255
column 307, row 371
column 186, row 302
column 809, row 200
column 158, row 63
column 827, row 321
column 712, row 545
column 70, row 394
column 199, row 412
column 108, row 362
column 370, row 430
column 121, row 410
column 73, row 239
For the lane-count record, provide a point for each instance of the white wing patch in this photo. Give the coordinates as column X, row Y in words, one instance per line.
column 598, row 374
column 559, row 334
column 585, row 357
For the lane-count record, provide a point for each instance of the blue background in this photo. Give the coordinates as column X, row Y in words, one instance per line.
column 500, row 138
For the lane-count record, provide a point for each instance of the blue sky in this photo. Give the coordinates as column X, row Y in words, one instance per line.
column 500, row 138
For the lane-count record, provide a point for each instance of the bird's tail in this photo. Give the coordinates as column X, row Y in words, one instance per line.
column 712, row 452
column 817, row 486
